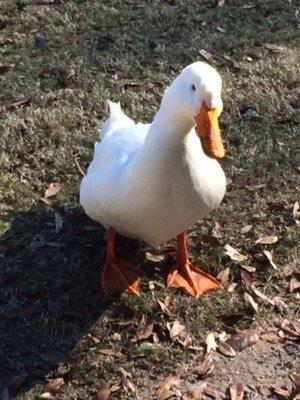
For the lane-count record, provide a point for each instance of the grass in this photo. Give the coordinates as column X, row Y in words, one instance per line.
column 130, row 51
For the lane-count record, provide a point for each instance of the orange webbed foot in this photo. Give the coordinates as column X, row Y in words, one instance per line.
column 191, row 279
column 120, row 276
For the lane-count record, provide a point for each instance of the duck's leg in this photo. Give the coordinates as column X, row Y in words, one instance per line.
column 117, row 275
column 184, row 275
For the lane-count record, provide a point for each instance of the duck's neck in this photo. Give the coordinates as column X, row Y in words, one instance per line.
column 168, row 126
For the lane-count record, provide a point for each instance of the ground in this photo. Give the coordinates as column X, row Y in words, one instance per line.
column 60, row 61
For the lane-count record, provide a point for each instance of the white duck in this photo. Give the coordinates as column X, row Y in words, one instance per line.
column 154, row 181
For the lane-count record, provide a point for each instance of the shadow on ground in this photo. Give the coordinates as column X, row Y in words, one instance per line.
column 50, row 290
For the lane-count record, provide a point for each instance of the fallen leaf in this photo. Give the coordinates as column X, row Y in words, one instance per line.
column 110, row 352
column 279, row 304
column 205, row 54
column 46, row 396
column 294, row 284
column 243, row 339
column 248, row 268
column 196, row 391
column 223, row 276
column 249, row 299
column 260, row 185
column 164, row 308
column 144, row 334
column 105, row 392
column 236, row 391
column 262, row 296
column 58, row 222
column 53, row 385
column 274, row 47
column 21, row 102
column 16, row 382
column 211, row 342
column 127, row 383
column 268, row 254
column 267, row 240
column 234, row 254
column 296, row 380
column 165, row 389
column 271, row 337
column 247, row 278
column 217, row 232
column 246, row 229
column 221, row 3
column 175, row 329
column 154, row 257
column 226, row 349
column 283, row 391
column 52, row 190
column 204, row 366
column 296, row 210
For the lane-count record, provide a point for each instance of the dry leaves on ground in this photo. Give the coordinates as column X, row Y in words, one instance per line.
column 164, row 306
column 234, row 254
column 51, row 191
column 274, row 47
column 246, row 229
column 166, row 388
column 154, row 257
column 249, row 299
column 211, row 342
column 127, row 383
column 205, row 54
column 105, row 392
column 53, row 385
column 243, row 339
column 267, row 240
column 269, row 256
column 204, row 366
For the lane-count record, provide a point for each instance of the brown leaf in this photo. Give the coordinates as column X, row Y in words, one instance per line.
column 16, row 382
column 154, row 257
column 268, row 254
column 204, row 366
column 249, row 299
column 294, row 284
column 248, row 268
column 205, row 54
column 164, row 308
column 53, row 385
column 267, row 240
column 296, row 380
column 52, row 190
column 279, row 304
column 243, row 339
column 262, row 296
column 110, row 352
column 144, row 334
column 226, row 349
column 247, row 278
column 20, row 102
column 127, row 383
column 236, row 391
column 165, row 389
column 271, row 337
column 283, row 391
column 274, row 47
column 46, row 396
column 223, row 276
column 234, row 254
column 211, row 342
column 105, row 392
column 246, row 229
column 176, row 329
column 217, row 232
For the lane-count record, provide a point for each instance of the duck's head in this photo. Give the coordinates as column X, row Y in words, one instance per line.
column 195, row 96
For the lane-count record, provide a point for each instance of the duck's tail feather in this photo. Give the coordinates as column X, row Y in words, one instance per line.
column 116, row 120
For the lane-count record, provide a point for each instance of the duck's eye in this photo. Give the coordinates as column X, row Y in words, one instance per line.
column 193, row 87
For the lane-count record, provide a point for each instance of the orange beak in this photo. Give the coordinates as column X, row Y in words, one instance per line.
column 207, row 128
